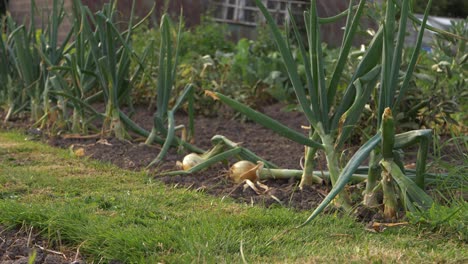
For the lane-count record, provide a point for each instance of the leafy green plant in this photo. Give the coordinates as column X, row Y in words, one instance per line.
column 200, row 60
column 207, row 38
column 437, row 97
column 257, row 71
column 206, row 73
column 166, row 78
column 143, row 91
column 100, row 57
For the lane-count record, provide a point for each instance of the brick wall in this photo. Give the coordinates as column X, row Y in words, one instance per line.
column 21, row 12
column 193, row 9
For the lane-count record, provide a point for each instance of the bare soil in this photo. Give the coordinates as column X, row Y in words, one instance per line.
column 17, row 246
column 134, row 155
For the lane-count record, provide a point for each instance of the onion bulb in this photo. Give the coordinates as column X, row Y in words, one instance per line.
column 244, row 170
column 191, row 160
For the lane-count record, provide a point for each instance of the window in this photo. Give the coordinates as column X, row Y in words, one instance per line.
column 246, row 12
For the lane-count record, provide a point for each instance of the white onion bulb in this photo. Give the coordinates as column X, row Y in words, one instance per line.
column 191, row 160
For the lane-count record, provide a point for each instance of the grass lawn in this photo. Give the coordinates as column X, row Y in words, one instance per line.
column 128, row 216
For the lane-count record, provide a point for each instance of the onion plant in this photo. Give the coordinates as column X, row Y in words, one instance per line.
column 168, row 58
column 166, row 77
column 112, row 55
column 382, row 57
column 109, row 55
column 32, row 51
column 97, row 66
column 9, row 92
column 331, row 121
column 80, row 68
column 93, row 63
column 26, row 61
column 51, row 52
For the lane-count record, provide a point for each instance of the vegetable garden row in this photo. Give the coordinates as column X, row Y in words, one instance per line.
column 61, row 83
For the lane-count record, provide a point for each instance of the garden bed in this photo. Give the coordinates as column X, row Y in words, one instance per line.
column 134, row 155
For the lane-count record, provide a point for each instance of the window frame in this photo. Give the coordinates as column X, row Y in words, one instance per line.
column 239, row 10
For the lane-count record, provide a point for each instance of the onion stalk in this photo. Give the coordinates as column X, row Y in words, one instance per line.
column 388, row 142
